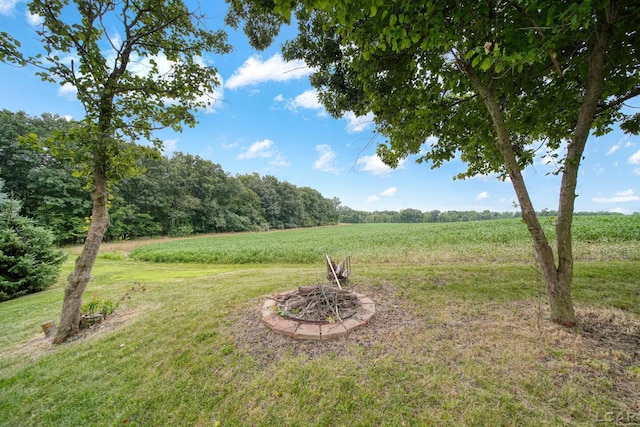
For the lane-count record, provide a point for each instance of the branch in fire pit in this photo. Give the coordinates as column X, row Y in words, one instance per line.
column 319, row 304
column 338, row 272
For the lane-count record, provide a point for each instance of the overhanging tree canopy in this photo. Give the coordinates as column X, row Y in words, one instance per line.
column 493, row 82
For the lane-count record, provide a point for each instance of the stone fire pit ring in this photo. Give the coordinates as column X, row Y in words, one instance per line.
column 303, row 330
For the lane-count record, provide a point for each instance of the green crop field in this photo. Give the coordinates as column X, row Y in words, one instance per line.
column 461, row 335
column 503, row 240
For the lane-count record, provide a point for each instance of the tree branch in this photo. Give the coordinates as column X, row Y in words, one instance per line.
column 618, row 101
column 538, row 30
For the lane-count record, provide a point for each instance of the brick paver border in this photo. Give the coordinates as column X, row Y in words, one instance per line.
column 313, row 331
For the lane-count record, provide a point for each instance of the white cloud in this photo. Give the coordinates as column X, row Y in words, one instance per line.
column 635, row 158
column 431, row 141
column 619, row 197
column 614, row 148
column 374, row 165
column 389, row 192
column 327, row 160
column 255, row 71
column 7, row 6
column 636, row 171
column 357, row 124
column 33, row 20
column 482, row 196
column 170, row 145
column 265, row 149
column 628, row 192
column 68, row 90
column 307, row 99
column 623, row 142
column 262, row 148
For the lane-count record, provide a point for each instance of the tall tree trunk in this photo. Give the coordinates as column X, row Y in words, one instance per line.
column 558, row 279
column 558, row 293
column 79, row 277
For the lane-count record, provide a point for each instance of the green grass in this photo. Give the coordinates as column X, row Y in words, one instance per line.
column 474, row 346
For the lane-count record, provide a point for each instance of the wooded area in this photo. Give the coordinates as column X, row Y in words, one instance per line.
column 180, row 195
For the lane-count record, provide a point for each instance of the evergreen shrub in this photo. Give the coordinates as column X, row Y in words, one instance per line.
column 29, row 261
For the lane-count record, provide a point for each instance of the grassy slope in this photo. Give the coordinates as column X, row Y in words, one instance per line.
column 476, row 349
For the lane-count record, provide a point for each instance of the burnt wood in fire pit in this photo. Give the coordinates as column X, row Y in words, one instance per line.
column 317, row 304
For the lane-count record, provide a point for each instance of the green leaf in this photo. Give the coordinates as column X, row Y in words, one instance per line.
column 283, row 11
column 486, row 64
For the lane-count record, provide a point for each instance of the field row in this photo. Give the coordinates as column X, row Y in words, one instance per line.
column 613, row 237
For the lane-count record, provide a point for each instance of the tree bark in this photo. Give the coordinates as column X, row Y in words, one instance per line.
column 79, row 277
column 558, row 289
column 560, row 292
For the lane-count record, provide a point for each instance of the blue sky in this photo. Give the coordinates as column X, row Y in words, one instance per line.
column 267, row 119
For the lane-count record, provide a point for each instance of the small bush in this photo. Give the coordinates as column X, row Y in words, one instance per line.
column 106, row 307
column 98, row 305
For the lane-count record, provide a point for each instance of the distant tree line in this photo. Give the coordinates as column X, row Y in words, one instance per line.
column 181, row 195
column 176, row 196
column 348, row 215
column 351, row 216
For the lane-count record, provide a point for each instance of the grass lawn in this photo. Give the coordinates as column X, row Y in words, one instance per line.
column 461, row 335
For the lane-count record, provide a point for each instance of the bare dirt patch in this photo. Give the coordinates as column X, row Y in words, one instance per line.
column 114, row 321
column 40, row 345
